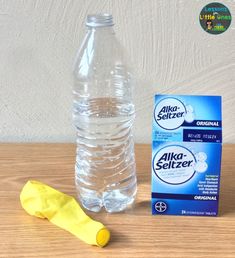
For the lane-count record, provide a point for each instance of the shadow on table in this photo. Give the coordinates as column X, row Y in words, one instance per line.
column 226, row 200
column 144, row 177
column 117, row 238
column 141, row 208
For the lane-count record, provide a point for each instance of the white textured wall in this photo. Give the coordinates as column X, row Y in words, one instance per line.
column 170, row 51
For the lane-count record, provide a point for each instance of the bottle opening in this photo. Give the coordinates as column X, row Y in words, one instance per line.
column 99, row 20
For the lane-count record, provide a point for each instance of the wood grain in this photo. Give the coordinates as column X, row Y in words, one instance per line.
column 134, row 233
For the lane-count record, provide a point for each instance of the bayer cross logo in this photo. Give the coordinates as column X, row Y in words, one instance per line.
column 160, row 206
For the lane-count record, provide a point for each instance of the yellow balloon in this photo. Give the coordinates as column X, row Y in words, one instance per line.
column 43, row 201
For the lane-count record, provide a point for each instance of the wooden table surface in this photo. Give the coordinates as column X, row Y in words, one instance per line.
column 134, row 233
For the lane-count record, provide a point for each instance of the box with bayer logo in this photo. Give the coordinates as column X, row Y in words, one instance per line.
column 186, row 155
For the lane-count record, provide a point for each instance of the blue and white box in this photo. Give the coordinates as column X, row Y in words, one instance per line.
column 186, row 155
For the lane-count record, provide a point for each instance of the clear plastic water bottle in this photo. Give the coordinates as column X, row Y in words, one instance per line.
column 103, row 114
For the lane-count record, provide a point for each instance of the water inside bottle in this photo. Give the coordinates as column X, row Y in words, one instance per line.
column 105, row 162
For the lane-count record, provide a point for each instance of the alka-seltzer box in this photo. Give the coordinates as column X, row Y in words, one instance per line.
column 186, row 155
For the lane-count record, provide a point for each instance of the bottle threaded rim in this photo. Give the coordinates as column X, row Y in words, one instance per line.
column 99, row 20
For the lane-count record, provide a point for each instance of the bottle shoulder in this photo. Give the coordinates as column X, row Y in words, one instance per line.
column 100, row 56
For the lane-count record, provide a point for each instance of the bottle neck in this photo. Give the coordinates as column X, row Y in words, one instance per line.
column 101, row 30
